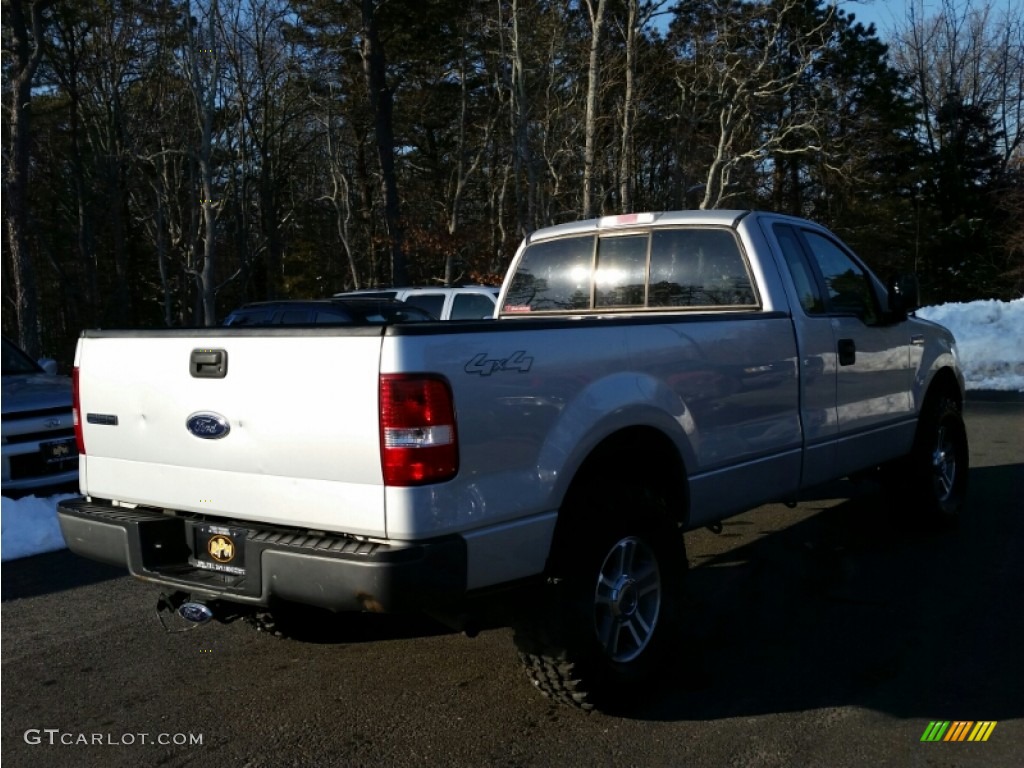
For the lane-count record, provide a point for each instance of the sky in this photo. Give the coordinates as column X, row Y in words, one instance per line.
column 887, row 15
column 884, row 14
column 990, row 339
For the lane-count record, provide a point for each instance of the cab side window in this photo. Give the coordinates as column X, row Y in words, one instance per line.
column 849, row 290
column 807, row 289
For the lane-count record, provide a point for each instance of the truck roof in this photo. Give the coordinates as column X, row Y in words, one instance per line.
column 727, row 218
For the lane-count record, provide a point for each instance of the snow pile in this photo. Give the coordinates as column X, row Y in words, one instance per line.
column 990, row 339
column 989, row 335
column 30, row 526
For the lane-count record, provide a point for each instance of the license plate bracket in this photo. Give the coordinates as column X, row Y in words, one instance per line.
column 219, row 548
column 58, row 451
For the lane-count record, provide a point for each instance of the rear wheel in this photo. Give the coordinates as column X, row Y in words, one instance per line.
column 601, row 628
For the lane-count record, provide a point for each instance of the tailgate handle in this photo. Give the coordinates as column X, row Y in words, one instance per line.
column 208, row 363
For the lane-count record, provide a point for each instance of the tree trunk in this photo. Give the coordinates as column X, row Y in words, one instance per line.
column 161, row 238
column 374, row 69
column 270, row 223
column 16, row 183
column 204, row 94
column 519, row 112
column 626, row 148
column 590, row 121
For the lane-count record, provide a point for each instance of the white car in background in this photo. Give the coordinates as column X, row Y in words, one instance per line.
column 470, row 302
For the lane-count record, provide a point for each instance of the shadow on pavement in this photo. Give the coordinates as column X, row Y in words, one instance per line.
column 860, row 605
column 51, row 572
column 310, row 625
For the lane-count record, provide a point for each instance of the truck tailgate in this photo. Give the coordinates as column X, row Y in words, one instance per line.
column 301, row 406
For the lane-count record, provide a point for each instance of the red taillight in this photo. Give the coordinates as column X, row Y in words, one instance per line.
column 418, row 442
column 76, row 411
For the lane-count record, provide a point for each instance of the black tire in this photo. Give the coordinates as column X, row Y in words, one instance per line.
column 939, row 462
column 603, row 625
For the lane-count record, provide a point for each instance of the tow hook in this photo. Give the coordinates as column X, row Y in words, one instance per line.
column 184, row 607
column 715, row 528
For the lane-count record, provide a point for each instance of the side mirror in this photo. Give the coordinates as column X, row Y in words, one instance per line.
column 904, row 296
column 49, row 365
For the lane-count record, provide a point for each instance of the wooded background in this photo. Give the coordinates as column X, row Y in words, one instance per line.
column 165, row 161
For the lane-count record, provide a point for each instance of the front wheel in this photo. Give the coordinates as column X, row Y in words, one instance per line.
column 602, row 627
column 939, row 461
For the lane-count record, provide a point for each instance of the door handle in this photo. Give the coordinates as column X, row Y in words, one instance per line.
column 847, row 352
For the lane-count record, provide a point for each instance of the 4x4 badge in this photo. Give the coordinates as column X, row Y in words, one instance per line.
column 483, row 365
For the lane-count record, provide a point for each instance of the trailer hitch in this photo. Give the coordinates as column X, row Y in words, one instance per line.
column 191, row 612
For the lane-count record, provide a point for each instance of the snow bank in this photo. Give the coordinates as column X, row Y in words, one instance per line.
column 990, row 339
column 30, row 526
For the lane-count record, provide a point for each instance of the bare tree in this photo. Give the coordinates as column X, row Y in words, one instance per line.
column 557, row 121
column 27, row 48
column 596, row 16
column 966, row 66
column 967, row 52
column 268, row 101
column 67, row 57
column 729, row 80
column 638, row 16
column 202, row 68
column 338, row 182
column 382, row 103
column 468, row 156
column 519, row 119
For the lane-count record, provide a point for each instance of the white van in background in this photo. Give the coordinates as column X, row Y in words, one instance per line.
column 469, row 302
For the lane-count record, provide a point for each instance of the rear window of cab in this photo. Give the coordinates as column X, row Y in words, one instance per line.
column 693, row 268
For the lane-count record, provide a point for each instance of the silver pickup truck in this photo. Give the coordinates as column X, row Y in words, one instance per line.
column 645, row 374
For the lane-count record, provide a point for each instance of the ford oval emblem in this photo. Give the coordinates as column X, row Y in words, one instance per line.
column 207, row 425
column 196, row 612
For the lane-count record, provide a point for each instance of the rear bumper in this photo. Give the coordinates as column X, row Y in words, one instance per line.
column 328, row 571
